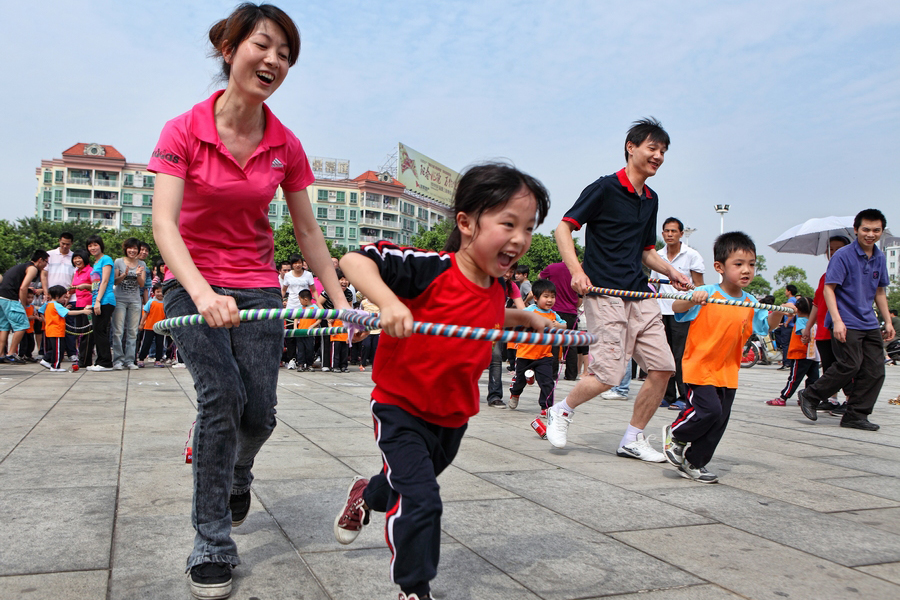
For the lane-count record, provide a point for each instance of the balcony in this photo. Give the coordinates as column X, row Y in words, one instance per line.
column 368, row 239
column 372, row 204
column 106, row 183
column 376, row 222
column 79, row 180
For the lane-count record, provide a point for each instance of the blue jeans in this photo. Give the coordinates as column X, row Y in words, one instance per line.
column 126, row 319
column 625, row 385
column 235, row 375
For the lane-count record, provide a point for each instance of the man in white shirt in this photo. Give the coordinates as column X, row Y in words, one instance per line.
column 60, row 271
column 688, row 261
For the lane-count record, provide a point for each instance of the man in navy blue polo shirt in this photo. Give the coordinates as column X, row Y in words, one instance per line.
column 620, row 212
column 856, row 277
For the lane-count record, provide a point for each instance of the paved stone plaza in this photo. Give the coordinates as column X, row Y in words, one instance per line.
column 96, row 499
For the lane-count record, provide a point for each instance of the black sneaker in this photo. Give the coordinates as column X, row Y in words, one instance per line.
column 210, row 581
column 14, row 360
column 807, row 405
column 240, row 507
column 863, row 424
column 838, row 410
column 497, row 403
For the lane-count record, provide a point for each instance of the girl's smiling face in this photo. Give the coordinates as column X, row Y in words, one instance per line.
column 94, row 249
column 260, row 63
column 500, row 238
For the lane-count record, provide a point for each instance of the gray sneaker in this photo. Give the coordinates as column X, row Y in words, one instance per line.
column 701, row 475
column 674, row 450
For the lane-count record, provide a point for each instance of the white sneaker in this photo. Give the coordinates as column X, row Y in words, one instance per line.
column 700, row 475
column 641, row 449
column 45, row 364
column 325, row 369
column 179, row 365
column 58, row 370
column 613, row 395
column 132, row 367
column 292, row 365
column 118, row 367
column 557, row 427
column 98, row 368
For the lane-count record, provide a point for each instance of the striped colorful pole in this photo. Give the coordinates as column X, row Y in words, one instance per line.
column 670, row 296
column 550, row 336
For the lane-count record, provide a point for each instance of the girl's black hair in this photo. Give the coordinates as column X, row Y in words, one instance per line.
column 803, row 304
column 85, row 257
column 95, row 239
column 490, row 185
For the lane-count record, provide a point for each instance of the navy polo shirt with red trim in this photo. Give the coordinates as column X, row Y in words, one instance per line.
column 621, row 225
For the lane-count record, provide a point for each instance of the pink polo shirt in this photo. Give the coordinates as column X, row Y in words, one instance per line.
column 225, row 210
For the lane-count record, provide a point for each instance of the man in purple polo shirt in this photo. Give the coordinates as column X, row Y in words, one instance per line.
column 856, row 277
column 567, row 307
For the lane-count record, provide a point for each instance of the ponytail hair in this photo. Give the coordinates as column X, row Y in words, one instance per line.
column 490, row 185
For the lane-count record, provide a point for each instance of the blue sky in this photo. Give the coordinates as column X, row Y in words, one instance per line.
column 784, row 110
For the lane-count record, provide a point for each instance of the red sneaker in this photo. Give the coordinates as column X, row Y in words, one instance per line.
column 354, row 515
column 776, row 402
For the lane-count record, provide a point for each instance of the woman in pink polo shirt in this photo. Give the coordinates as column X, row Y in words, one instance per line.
column 219, row 165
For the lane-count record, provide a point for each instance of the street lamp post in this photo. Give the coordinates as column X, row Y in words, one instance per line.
column 722, row 209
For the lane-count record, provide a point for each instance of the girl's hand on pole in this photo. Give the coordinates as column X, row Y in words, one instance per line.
column 217, row 310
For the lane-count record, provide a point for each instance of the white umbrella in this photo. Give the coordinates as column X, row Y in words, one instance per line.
column 812, row 236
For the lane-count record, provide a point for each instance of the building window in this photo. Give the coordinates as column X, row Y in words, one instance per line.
column 126, row 218
column 284, row 210
column 46, row 215
column 59, row 176
column 126, row 199
column 129, row 180
column 149, row 181
column 339, row 214
column 148, row 200
column 273, row 211
column 272, row 225
column 48, row 177
column 338, row 231
column 353, row 199
column 322, row 212
column 341, row 196
column 323, row 196
column 57, row 195
column 353, row 214
column 57, row 214
column 47, row 196
column 352, row 234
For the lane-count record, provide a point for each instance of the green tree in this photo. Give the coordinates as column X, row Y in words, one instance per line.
column 790, row 274
column 434, row 238
column 893, row 299
column 803, row 289
column 759, row 287
column 760, row 263
column 286, row 243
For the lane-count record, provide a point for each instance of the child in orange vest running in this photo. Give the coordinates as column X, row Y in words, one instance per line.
column 55, row 313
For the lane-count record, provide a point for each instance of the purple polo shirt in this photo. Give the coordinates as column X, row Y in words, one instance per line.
column 857, row 278
column 566, row 298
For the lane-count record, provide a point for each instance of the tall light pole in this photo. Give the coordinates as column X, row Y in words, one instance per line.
column 722, row 209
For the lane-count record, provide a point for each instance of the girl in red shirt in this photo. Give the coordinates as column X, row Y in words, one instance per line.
column 426, row 388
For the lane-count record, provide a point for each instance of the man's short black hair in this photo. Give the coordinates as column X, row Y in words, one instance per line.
column 674, row 220
column 67, row 235
column 39, row 254
column 893, row 311
column 156, row 286
column 870, row 214
column 523, row 269
column 284, row 262
column 643, row 129
column 791, row 288
column 731, row 242
column 542, row 285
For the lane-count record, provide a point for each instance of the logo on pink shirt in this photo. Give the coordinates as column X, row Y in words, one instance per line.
column 277, row 164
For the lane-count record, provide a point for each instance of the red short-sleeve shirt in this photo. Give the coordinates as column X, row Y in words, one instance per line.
column 224, row 213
